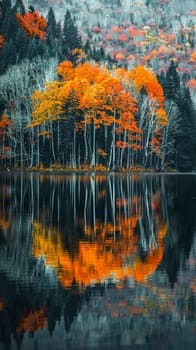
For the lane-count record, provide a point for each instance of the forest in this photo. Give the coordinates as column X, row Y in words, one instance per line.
column 107, row 87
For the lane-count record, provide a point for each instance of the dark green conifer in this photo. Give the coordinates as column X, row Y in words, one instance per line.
column 172, row 82
column 51, row 24
column 19, row 7
column 70, row 34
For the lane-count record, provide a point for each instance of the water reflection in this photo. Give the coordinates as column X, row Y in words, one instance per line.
column 97, row 260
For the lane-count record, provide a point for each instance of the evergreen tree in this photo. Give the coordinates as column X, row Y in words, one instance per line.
column 51, row 39
column 71, row 38
column 51, row 24
column 183, row 136
column 19, row 7
column 172, row 82
column 186, row 145
column 8, row 56
column 21, row 42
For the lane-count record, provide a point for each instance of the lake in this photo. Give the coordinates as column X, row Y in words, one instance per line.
column 97, row 261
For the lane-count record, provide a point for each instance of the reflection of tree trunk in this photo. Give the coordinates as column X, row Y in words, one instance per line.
column 85, row 208
column 32, row 198
column 52, row 142
column 113, row 202
column 93, row 204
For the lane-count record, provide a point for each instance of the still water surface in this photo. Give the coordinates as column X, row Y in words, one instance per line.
column 105, row 262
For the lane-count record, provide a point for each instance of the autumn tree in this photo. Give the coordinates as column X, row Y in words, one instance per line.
column 71, row 39
column 152, row 116
column 102, row 107
column 5, row 149
column 33, row 24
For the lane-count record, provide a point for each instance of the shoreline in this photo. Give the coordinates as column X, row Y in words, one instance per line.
column 93, row 172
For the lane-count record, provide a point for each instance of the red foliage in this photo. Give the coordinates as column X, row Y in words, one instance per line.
column 33, row 24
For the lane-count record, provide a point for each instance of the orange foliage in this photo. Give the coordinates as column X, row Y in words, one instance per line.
column 144, row 78
column 1, row 304
column 134, row 32
column 32, row 321
column 109, row 36
column 193, row 57
column 103, row 97
column 99, row 94
column 122, row 38
column 116, row 29
column 66, row 70
column 192, row 83
column 33, row 24
column 4, row 123
column 1, row 41
column 120, row 56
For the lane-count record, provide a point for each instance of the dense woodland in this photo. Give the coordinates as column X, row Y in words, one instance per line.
column 115, row 92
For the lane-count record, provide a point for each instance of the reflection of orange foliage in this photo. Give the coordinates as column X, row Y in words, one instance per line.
column 1, row 41
column 1, row 304
column 97, row 261
column 193, row 285
column 136, row 310
column 141, row 270
column 94, row 262
column 110, row 250
column 4, row 224
column 33, row 321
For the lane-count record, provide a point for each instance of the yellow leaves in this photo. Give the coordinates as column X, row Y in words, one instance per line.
column 101, row 97
column 102, row 152
column 99, row 94
column 66, row 70
column 78, row 55
column 162, row 117
column 193, row 57
column 120, row 56
column 44, row 133
column 47, row 104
